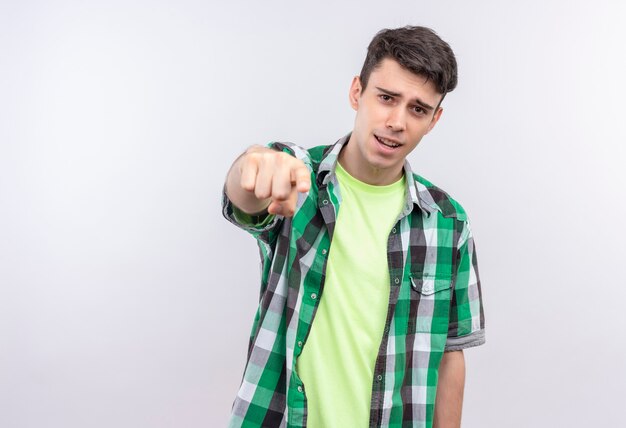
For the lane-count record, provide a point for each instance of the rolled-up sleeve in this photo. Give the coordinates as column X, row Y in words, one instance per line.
column 467, row 320
column 260, row 226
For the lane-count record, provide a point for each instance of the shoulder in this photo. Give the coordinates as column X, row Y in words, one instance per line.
column 445, row 204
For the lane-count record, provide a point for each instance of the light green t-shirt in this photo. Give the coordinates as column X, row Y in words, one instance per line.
column 337, row 362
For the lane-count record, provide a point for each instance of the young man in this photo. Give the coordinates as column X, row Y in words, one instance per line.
column 370, row 288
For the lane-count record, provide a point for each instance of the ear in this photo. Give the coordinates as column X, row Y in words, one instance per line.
column 355, row 92
column 435, row 119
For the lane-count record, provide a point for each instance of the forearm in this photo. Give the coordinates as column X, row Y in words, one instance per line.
column 449, row 401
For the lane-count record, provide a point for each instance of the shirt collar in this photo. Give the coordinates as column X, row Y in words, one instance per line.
column 417, row 193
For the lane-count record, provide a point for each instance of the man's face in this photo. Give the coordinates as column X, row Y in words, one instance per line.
column 393, row 113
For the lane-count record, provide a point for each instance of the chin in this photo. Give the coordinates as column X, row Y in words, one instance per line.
column 378, row 164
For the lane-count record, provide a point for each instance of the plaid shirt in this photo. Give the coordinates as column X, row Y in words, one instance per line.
column 435, row 302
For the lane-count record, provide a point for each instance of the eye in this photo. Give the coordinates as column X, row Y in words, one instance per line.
column 385, row 97
column 419, row 110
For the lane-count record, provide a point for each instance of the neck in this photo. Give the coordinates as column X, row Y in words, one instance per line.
column 349, row 160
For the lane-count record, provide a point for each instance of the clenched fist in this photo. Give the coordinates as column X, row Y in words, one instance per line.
column 263, row 179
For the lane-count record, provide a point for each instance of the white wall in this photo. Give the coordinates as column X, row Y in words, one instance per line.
column 126, row 300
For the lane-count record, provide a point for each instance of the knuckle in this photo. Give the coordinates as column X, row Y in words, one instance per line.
column 256, row 148
column 251, row 159
column 261, row 193
column 280, row 158
column 252, row 155
column 271, row 158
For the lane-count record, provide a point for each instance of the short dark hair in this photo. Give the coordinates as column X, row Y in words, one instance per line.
column 418, row 49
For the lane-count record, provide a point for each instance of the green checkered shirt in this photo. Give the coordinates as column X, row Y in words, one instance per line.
column 435, row 302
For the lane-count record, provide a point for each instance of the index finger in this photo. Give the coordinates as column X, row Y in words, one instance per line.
column 302, row 177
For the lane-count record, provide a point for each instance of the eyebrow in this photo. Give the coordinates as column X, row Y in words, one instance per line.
column 397, row 94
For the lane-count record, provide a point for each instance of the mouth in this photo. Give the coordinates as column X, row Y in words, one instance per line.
column 387, row 142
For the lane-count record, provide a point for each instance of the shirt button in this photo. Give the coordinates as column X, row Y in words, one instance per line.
column 393, row 230
column 324, row 251
column 379, row 378
column 396, row 280
column 313, row 296
column 300, row 343
column 299, row 388
column 325, row 201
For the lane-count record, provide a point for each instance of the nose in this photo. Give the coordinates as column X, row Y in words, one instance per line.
column 396, row 121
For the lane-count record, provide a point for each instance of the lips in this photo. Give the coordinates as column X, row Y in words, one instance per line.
column 387, row 142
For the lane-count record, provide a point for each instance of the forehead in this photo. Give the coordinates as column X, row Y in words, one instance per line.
column 390, row 75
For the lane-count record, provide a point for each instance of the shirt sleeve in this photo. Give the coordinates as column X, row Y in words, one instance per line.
column 467, row 320
column 263, row 227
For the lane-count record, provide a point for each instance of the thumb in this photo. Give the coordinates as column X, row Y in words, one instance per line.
column 285, row 207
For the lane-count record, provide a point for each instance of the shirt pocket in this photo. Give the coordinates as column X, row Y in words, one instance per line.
column 430, row 301
column 429, row 284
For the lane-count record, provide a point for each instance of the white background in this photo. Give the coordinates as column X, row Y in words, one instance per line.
column 126, row 299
